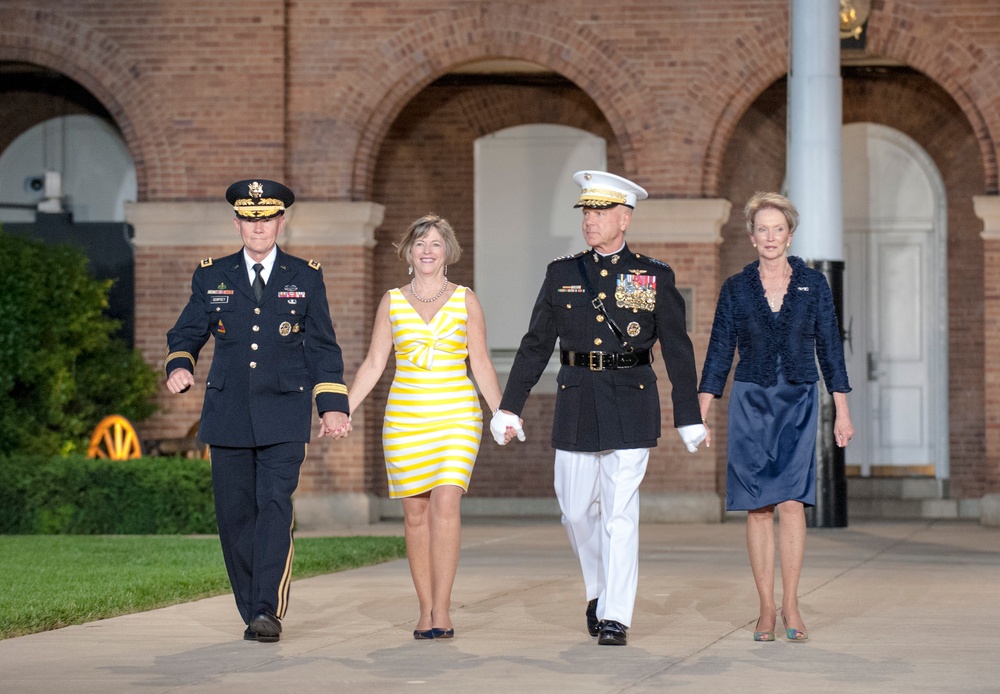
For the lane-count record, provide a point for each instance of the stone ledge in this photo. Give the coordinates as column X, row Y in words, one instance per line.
column 989, row 510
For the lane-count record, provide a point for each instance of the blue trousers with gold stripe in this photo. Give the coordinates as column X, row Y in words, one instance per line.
column 253, row 505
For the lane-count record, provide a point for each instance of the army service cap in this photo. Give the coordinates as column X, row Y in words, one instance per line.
column 601, row 189
column 259, row 198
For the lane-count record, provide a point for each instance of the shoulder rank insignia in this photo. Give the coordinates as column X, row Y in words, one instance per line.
column 568, row 257
column 653, row 261
column 207, row 262
column 314, row 264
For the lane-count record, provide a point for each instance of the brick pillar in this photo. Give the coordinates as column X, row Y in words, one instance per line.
column 987, row 208
column 171, row 237
column 686, row 235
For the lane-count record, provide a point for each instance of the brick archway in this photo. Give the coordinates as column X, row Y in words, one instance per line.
column 951, row 58
column 946, row 54
column 425, row 50
column 103, row 68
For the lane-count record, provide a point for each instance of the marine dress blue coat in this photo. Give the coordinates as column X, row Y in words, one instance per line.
column 805, row 329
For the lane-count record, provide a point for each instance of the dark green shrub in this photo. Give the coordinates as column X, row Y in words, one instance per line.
column 61, row 368
column 77, row 495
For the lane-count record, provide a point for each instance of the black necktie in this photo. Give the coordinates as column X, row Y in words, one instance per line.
column 258, row 281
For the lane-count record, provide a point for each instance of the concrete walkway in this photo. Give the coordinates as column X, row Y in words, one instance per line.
column 908, row 607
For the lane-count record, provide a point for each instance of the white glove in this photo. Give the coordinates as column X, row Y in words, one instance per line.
column 692, row 435
column 498, row 426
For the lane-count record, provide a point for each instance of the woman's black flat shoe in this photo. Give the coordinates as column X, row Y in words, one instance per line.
column 420, row 634
column 442, row 633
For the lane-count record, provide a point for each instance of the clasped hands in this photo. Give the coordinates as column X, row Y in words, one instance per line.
column 336, row 425
column 505, row 426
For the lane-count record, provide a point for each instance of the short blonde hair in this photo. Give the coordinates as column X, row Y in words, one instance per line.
column 420, row 228
column 763, row 201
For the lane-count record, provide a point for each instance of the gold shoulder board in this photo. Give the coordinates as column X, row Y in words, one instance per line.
column 314, row 264
column 207, row 262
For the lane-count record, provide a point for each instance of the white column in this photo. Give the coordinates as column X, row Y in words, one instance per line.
column 814, row 126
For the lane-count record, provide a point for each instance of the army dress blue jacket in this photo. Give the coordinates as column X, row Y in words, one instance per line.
column 611, row 409
column 805, row 329
column 272, row 358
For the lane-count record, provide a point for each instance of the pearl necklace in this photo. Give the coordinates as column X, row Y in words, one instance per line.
column 432, row 299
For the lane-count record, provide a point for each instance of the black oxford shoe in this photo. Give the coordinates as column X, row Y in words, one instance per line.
column 249, row 635
column 612, row 634
column 266, row 626
column 593, row 624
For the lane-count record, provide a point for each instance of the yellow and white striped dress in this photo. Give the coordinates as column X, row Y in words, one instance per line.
column 433, row 421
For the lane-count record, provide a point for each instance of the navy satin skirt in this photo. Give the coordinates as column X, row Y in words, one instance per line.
column 772, row 445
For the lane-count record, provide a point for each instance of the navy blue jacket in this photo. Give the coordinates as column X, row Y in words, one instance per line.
column 614, row 409
column 804, row 329
column 271, row 358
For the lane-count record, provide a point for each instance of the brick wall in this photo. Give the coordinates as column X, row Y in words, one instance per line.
column 340, row 100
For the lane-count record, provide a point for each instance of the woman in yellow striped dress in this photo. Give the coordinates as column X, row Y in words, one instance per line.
column 433, row 420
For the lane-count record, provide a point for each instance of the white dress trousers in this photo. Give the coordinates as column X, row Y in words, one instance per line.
column 598, row 496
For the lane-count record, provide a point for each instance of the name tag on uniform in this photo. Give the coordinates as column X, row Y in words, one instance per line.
column 220, row 299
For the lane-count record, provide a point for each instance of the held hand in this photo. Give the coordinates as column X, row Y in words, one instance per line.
column 179, row 380
column 692, row 435
column 501, row 422
column 336, row 425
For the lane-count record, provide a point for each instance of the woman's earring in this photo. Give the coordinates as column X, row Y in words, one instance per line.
column 410, row 271
column 445, row 270
column 788, row 245
column 755, row 245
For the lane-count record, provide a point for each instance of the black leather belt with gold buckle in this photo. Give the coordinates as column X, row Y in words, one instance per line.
column 603, row 361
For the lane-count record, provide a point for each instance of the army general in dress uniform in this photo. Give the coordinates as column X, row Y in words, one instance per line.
column 608, row 306
column 275, row 352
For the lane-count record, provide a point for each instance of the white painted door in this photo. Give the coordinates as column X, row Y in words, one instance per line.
column 894, row 303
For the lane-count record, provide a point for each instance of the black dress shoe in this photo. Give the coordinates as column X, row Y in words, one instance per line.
column 420, row 634
column 266, row 626
column 249, row 635
column 593, row 623
column 612, row 634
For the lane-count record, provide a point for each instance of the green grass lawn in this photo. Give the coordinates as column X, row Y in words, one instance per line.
column 52, row 581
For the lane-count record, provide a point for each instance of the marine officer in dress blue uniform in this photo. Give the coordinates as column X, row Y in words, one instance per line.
column 607, row 306
column 275, row 352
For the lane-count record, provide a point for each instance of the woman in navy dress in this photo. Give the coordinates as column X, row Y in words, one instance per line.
column 780, row 315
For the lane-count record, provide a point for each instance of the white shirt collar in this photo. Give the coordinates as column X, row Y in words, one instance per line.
column 267, row 262
column 605, row 255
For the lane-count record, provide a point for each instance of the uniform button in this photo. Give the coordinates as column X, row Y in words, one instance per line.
column 563, row 387
column 253, row 346
column 569, row 305
column 602, row 296
column 293, row 311
column 301, row 388
column 256, row 328
column 600, row 318
column 604, row 273
column 217, row 309
column 642, row 387
column 257, row 311
column 253, row 365
column 635, row 310
column 598, row 341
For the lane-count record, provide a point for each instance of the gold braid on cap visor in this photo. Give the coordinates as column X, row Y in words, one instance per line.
column 601, row 196
column 255, row 209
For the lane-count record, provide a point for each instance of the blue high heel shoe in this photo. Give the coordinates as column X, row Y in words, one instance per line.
column 763, row 635
column 794, row 634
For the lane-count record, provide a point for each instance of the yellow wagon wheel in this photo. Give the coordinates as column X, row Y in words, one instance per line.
column 114, row 438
